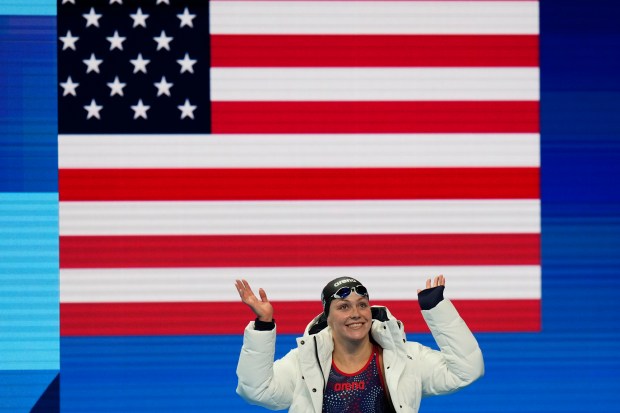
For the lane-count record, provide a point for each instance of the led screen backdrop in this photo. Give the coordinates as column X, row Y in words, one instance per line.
column 369, row 138
column 292, row 142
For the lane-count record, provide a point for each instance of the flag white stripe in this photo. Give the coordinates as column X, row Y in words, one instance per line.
column 382, row 17
column 298, row 151
column 300, row 217
column 374, row 84
column 292, row 284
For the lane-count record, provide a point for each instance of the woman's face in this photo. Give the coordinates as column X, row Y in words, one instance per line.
column 350, row 318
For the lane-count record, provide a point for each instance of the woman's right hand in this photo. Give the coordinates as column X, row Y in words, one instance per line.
column 262, row 308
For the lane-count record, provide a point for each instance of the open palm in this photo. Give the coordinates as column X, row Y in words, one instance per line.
column 261, row 307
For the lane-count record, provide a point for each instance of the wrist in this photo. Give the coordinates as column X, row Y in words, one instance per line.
column 264, row 325
column 430, row 297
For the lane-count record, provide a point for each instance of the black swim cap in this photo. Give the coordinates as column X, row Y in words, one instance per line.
column 333, row 286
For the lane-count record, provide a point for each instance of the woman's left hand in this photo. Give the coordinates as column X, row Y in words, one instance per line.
column 439, row 280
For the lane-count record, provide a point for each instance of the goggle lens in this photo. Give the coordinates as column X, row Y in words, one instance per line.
column 344, row 292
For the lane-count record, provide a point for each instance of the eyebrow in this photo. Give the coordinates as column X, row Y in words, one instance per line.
column 359, row 298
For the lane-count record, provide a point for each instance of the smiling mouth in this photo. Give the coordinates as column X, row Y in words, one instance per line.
column 355, row 325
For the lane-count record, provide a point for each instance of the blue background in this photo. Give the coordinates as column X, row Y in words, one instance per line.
column 571, row 366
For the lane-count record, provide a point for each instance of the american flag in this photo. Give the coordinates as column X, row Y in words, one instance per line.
column 291, row 142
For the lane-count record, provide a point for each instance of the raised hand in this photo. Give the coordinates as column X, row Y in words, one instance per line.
column 439, row 280
column 262, row 308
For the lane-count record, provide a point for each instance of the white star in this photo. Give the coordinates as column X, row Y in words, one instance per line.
column 140, row 110
column 139, row 19
column 69, row 87
column 116, row 41
column 139, row 64
column 163, row 41
column 68, row 1
column 68, row 41
column 116, row 1
column 93, row 110
column 187, row 64
column 163, row 87
column 186, row 18
column 116, row 87
column 162, row 1
column 187, row 109
column 92, row 18
column 92, row 63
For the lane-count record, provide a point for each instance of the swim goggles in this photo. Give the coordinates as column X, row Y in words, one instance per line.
column 344, row 292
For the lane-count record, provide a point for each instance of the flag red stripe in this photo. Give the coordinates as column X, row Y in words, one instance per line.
column 375, row 117
column 139, row 319
column 297, row 184
column 374, row 50
column 298, row 250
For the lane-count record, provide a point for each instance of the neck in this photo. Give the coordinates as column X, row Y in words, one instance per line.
column 351, row 356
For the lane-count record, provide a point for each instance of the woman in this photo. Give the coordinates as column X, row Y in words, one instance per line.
column 354, row 357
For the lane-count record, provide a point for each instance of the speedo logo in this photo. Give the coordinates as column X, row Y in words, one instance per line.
column 346, row 280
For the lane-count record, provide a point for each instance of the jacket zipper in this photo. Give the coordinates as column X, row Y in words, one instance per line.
column 316, row 354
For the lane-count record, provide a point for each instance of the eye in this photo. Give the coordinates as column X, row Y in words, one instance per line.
column 343, row 306
column 364, row 305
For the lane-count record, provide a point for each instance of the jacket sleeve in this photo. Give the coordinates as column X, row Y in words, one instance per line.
column 262, row 381
column 459, row 363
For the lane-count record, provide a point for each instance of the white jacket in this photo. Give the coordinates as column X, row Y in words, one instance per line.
column 412, row 371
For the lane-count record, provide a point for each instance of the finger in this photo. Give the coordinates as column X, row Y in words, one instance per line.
column 263, row 295
column 239, row 287
column 419, row 291
column 245, row 292
column 428, row 283
column 246, row 287
column 442, row 280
